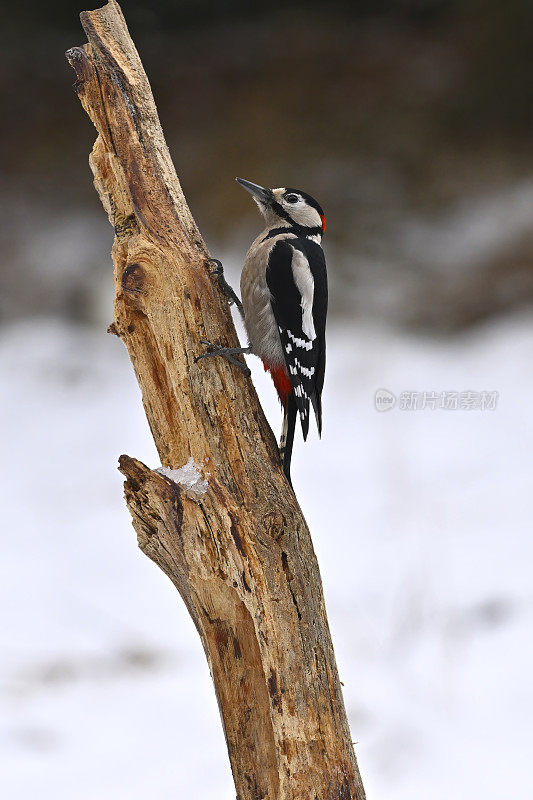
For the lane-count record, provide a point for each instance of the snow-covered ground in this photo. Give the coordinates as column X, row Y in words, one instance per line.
column 422, row 525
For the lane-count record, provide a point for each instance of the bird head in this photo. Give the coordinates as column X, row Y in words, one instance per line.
column 287, row 207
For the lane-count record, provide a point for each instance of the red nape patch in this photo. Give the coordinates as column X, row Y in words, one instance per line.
column 322, row 217
column 281, row 379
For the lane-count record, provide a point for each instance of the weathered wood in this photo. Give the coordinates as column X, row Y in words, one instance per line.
column 240, row 555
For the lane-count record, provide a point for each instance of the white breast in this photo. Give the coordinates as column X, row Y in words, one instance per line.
column 260, row 322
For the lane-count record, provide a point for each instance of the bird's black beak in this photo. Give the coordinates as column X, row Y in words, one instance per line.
column 263, row 195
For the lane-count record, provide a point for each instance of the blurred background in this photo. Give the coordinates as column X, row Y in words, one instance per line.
column 410, row 121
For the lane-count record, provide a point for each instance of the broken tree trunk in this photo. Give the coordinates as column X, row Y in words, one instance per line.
column 240, row 555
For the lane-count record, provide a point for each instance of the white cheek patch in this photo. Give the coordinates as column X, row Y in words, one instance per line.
column 303, row 279
column 311, row 217
column 304, row 214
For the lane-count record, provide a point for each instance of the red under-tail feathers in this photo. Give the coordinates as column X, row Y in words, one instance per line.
column 281, row 379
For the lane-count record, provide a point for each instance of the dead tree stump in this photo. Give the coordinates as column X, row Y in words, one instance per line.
column 240, row 555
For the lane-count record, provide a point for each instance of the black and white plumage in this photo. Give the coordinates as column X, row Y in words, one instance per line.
column 285, row 298
column 296, row 277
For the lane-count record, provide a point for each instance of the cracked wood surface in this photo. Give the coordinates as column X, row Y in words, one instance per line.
column 241, row 557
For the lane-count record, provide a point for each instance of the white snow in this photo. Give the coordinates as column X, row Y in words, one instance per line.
column 422, row 525
column 189, row 477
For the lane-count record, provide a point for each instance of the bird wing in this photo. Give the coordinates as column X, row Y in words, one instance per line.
column 297, row 280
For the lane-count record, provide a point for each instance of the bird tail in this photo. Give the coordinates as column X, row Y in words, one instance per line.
column 316, row 400
column 287, row 435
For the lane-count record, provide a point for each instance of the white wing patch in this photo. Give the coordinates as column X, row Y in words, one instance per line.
column 299, row 342
column 303, row 279
column 308, row 372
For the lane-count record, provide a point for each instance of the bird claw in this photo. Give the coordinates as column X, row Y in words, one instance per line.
column 227, row 353
column 218, row 273
column 230, row 294
column 219, row 269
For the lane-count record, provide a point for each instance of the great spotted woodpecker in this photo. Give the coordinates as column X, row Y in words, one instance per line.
column 284, row 305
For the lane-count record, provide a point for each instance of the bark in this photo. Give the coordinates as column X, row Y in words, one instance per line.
column 240, row 555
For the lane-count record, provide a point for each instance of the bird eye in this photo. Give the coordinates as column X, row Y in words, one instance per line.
column 292, row 198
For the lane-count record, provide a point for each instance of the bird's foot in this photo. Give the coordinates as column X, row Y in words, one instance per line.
column 231, row 295
column 227, row 353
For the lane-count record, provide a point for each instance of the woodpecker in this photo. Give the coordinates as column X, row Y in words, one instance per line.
column 284, row 305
